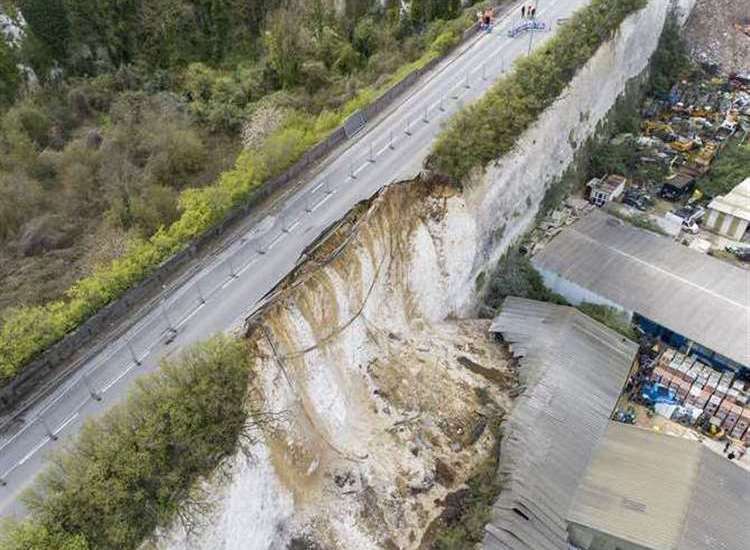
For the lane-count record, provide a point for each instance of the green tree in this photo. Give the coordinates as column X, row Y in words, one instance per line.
column 29, row 535
column 48, row 21
column 424, row 11
column 284, row 46
column 9, row 77
column 131, row 470
column 670, row 59
column 728, row 170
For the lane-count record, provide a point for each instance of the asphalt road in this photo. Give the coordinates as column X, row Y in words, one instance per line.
column 219, row 295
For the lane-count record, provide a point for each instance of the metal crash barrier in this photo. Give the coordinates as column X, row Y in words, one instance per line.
column 526, row 25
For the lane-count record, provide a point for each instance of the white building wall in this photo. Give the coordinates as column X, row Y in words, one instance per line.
column 574, row 293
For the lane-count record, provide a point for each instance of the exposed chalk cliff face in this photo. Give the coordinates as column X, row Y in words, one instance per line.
column 384, row 401
column 505, row 199
column 382, row 386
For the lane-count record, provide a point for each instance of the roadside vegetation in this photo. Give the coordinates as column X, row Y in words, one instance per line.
column 136, row 468
column 489, row 128
column 129, row 147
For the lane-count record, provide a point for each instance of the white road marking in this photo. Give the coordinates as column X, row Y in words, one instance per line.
column 33, row 451
column 66, row 422
column 291, row 227
column 118, row 377
column 228, row 282
column 273, row 242
column 320, row 203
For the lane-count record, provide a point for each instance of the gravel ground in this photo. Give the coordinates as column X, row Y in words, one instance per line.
column 717, row 33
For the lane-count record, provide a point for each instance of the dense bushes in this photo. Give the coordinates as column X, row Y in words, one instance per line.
column 490, row 127
column 670, row 59
column 135, row 468
column 26, row 331
column 610, row 317
column 8, row 75
column 728, row 170
column 514, row 275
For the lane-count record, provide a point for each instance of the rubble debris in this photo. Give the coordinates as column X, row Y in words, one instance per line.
column 717, row 34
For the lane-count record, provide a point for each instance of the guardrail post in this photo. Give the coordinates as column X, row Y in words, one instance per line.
column 47, row 429
column 232, row 272
column 89, row 386
column 133, row 355
column 170, row 324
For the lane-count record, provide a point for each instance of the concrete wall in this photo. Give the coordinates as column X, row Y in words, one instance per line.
column 509, row 193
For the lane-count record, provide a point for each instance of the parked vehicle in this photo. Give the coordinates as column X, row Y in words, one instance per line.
column 639, row 201
column 691, row 213
column 741, row 252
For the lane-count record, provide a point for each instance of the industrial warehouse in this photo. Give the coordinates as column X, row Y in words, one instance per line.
column 573, row 476
column 690, row 300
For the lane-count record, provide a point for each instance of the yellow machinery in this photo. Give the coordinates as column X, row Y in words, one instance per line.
column 712, row 429
column 651, row 127
column 682, row 146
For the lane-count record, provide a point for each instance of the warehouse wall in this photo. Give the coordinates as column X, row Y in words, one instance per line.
column 574, row 293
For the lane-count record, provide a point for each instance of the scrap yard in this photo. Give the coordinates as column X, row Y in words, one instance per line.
column 699, row 123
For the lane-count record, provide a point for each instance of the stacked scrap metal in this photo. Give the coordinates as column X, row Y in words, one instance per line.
column 685, row 130
column 573, row 370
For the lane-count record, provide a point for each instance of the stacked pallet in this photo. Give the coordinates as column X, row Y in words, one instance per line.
column 698, row 385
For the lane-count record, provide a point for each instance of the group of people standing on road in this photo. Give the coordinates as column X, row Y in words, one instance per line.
column 528, row 12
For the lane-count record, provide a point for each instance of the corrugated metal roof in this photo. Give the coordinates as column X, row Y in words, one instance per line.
column 735, row 203
column 574, row 369
column 718, row 515
column 693, row 294
column 663, row 492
